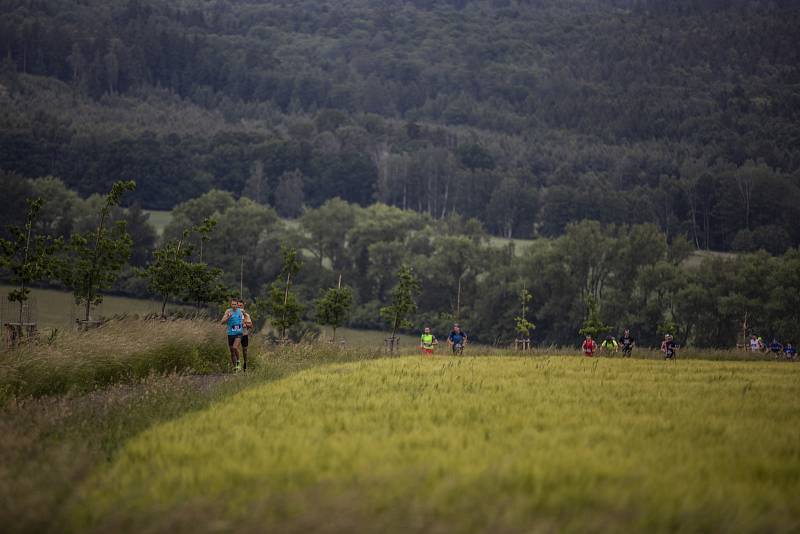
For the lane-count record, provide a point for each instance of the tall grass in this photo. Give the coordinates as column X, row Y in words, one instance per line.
column 50, row 444
column 118, row 352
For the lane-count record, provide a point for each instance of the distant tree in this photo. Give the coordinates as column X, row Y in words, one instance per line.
column 474, row 156
column 327, row 226
column 256, row 187
column 15, row 193
column 143, row 235
column 28, row 256
column 334, row 306
column 95, row 258
column 403, row 301
column 289, row 196
column 61, row 206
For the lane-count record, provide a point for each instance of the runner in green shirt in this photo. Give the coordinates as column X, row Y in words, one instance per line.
column 427, row 341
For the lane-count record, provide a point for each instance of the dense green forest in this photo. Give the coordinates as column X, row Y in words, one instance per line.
column 638, row 279
column 528, row 116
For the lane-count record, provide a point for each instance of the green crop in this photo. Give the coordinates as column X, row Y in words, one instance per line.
column 472, row 444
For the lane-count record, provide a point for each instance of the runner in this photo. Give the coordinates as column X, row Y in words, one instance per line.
column 247, row 328
column 427, row 341
column 234, row 318
column 776, row 348
column 790, row 351
column 668, row 347
column 609, row 345
column 589, row 346
column 627, row 342
column 457, row 339
column 754, row 343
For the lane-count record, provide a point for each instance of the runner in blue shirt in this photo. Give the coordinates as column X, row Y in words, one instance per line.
column 234, row 319
column 776, row 348
column 457, row 339
column 790, row 351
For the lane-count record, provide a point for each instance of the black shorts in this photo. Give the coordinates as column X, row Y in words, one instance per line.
column 244, row 340
column 232, row 339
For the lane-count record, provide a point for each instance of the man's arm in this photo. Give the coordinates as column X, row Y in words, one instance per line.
column 227, row 315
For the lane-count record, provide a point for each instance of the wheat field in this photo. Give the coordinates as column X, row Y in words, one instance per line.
column 494, row 444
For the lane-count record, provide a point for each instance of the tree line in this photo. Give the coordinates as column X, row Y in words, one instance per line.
column 632, row 276
column 527, row 116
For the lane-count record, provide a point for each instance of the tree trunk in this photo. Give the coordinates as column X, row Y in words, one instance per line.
column 95, row 259
column 285, row 301
column 446, row 196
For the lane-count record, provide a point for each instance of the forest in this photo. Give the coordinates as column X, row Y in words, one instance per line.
column 526, row 116
column 632, row 274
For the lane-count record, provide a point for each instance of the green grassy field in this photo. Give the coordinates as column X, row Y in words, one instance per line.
column 159, row 219
column 56, row 309
column 471, row 445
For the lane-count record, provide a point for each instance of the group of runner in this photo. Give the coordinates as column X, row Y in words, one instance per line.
column 457, row 339
column 626, row 342
column 240, row 325
column 777, row 348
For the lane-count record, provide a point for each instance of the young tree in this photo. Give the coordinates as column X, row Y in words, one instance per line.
column 592, row 325
column 403, row 301
column 27, row 256
column 203, row 285
column 282, row 305
column 334, row 306
column 203, row 281
column 523, row 325
column 168, row 273
column 96, row 257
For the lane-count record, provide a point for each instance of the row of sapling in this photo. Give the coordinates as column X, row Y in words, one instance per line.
column 88, row 264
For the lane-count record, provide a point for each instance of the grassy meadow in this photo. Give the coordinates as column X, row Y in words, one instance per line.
column 493, row 444
column 57, row 309
column 159, row 219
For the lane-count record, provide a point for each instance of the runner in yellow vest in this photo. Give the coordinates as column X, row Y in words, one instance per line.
column 427, row 341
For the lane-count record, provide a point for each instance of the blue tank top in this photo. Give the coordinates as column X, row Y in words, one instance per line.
column 235, row 323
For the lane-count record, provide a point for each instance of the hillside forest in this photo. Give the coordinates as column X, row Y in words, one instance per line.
column 528, row 116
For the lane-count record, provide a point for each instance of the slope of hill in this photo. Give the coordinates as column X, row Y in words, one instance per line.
column 526, row 115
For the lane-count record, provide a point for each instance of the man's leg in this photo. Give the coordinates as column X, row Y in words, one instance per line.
column 231, row 340
column 237, row 341
column 245, row 342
